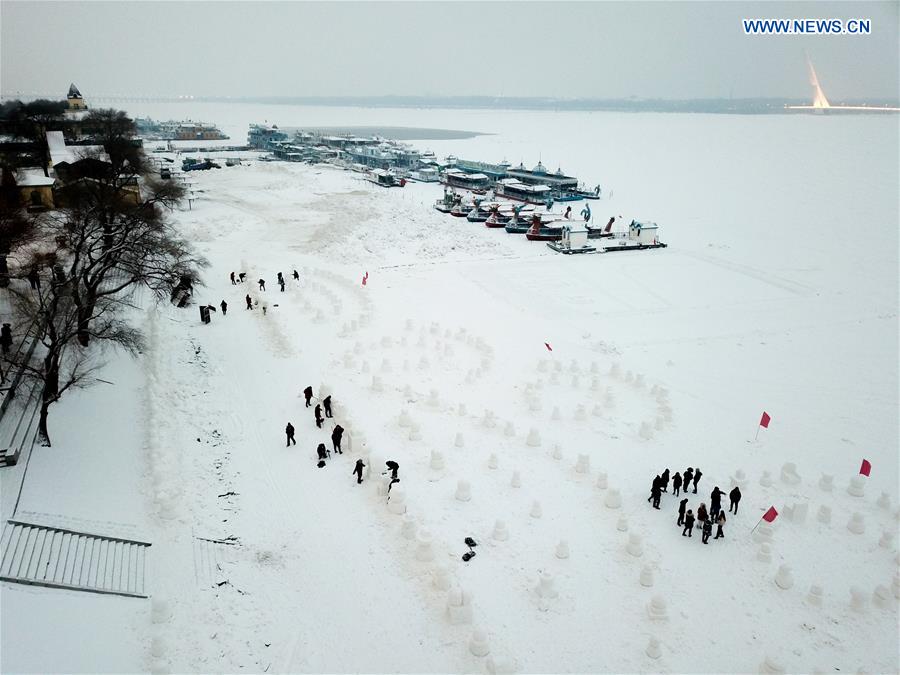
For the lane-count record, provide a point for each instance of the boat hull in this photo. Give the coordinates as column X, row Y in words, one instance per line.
column 544, row 234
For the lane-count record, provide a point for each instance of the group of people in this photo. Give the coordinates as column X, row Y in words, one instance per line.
column 239, row 279
column 705, row 518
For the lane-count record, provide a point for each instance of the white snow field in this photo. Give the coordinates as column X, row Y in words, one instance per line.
column 778, row 292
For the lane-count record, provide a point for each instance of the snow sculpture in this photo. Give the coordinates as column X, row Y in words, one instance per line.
column 613, row 499
column 434, row 328
column 408, row 392
column 580, row 413
column 161, row 611
column 881, row 596
column 349, row 361
column 646, row 432
column 459, row 606
column 354, row 324
column 857, row 525
column 459, row 442
column 397, row 501
column 534, row 438
column 766, row 479
column 500, row 533
column 409, row 527
column 584, row 464
column 492, row 461
column 857, row 487
column 662, row 395
column 424, row 552
column 409, row 324
column 534, row 404
column 345, row 330
column 665, row 411
column 415, row 434
column 489, row 421
column 595, row 369
column 815, row 595
column 557, row 367
column 404, row 420
column 629, row 377
column 826, row 482
column 470, row 377
column 562, row 549
column 765, row 553
column 365, row 367
column 557, row 452
column 536, row 511
column 635, row 545
column 387, row 342
column 424, row 365
column 797, row 513
column 509, row 430
column 602, row 481
column 763, row 532
column 770, row 667
column 622, row 524
column 319, row 317
column 542, row 366
column 437, row 460
column 639, row 381
column 440, row 579
column 448, row 351
column 554, row 377
column 646, row 576
column 657, row 609
column 461, row 410
column 858, row 600
column 887, row 539
column 784, row 578
column 615, row 370
column 789, row 474
column 556, row 416
column 575, row 382
column 478, row 644
column 595, row 384
column 158, row 646
column 463, row 491
column 516, row 481
column 739, row 479
column 824, row 515
column 386, row 366
column 653, row 650
column 420, row 343
column 573, row 366
column 546, row 586
column 597, row 410
column 884, row 501
column 660, row 424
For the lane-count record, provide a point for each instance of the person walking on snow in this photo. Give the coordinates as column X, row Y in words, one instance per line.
column 676, row 484
column 719, row 523
column 656, row 493
column 322, row 452
column 336, row 436
column 233, row 282
column 281, row 284
column 665, row 480
column 249, row 301
column 697, row 474
column 735, row 497
column 688, row 524
column 707, row 530
column 358, row 469
column 241, row 277
column 655, row 487
column 262, row 284
column 289, row 430
column 393, row 467
column 688, row 477
column 715, row 502
column 317, row 411
column 682, row 506
column 308, row 394
column 296, row 276
column 702, row 513
column 224, row 306
column 326, row 403
column 280, row 277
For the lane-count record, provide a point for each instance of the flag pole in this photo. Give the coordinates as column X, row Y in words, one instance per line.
column 755, row 438
column 757, row 524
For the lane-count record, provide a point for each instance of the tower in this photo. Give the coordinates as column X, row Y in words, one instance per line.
column 75, row 99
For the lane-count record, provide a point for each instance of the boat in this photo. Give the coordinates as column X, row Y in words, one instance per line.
column 587, row 194
column 384, row 178
column 574, row 240
column 638, row 237
column 539, row 231
column 601, row 232
column 474, row 182
column 460, row 210
column 520, row 192
column 425, row 175
column 497, row 219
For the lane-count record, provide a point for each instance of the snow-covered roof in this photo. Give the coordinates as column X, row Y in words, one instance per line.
column 60, row 152
column 33, row 176
column 73, row 92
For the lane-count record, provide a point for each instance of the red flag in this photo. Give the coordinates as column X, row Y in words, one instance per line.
column 770, row 515
column 364, row 280
column 764, row 422
column 549, row 348
column 866, row 467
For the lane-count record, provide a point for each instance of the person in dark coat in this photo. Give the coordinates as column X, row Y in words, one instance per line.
column 707, row 530
column 688, row 524
column 241, row 276
column 6, row 338
column 697, row 474
column 308, row 394
column 233, row 282
column 289, row 430
column 656, row 493
column 34, row 279
column 358, row 469
column 296, row 276
column 688, row 477
column 702, row 514
column 262, row 284
column 715, row 502
column 249, row 301
column 326, row 403
column 281, row 284
column 336, row 435
column 665, row 480
column 655, row 487
column 317, row 411
column 224, row 306
column 280, row 277
column 719, row 524
column 676, row 484
column 322, row 452
column 682, row 507
column 393, row 467
column 734, row 496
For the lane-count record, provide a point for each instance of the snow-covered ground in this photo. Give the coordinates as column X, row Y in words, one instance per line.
column 778, row 292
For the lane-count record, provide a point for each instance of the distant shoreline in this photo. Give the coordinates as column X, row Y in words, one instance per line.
column 393, row 133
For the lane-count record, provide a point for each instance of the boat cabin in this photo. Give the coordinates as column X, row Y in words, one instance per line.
column 643, row 233
column 466, row 181
column 531, row 194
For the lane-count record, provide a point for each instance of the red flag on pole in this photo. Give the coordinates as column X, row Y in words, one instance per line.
column 764, row 421
column 364, row 280
column 770, row 515
column 549, row 348
column 866, row 467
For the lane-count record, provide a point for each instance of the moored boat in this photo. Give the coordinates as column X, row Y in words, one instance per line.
column 540, row 231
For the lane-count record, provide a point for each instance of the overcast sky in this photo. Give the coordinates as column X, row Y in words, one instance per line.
column 558, row 49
